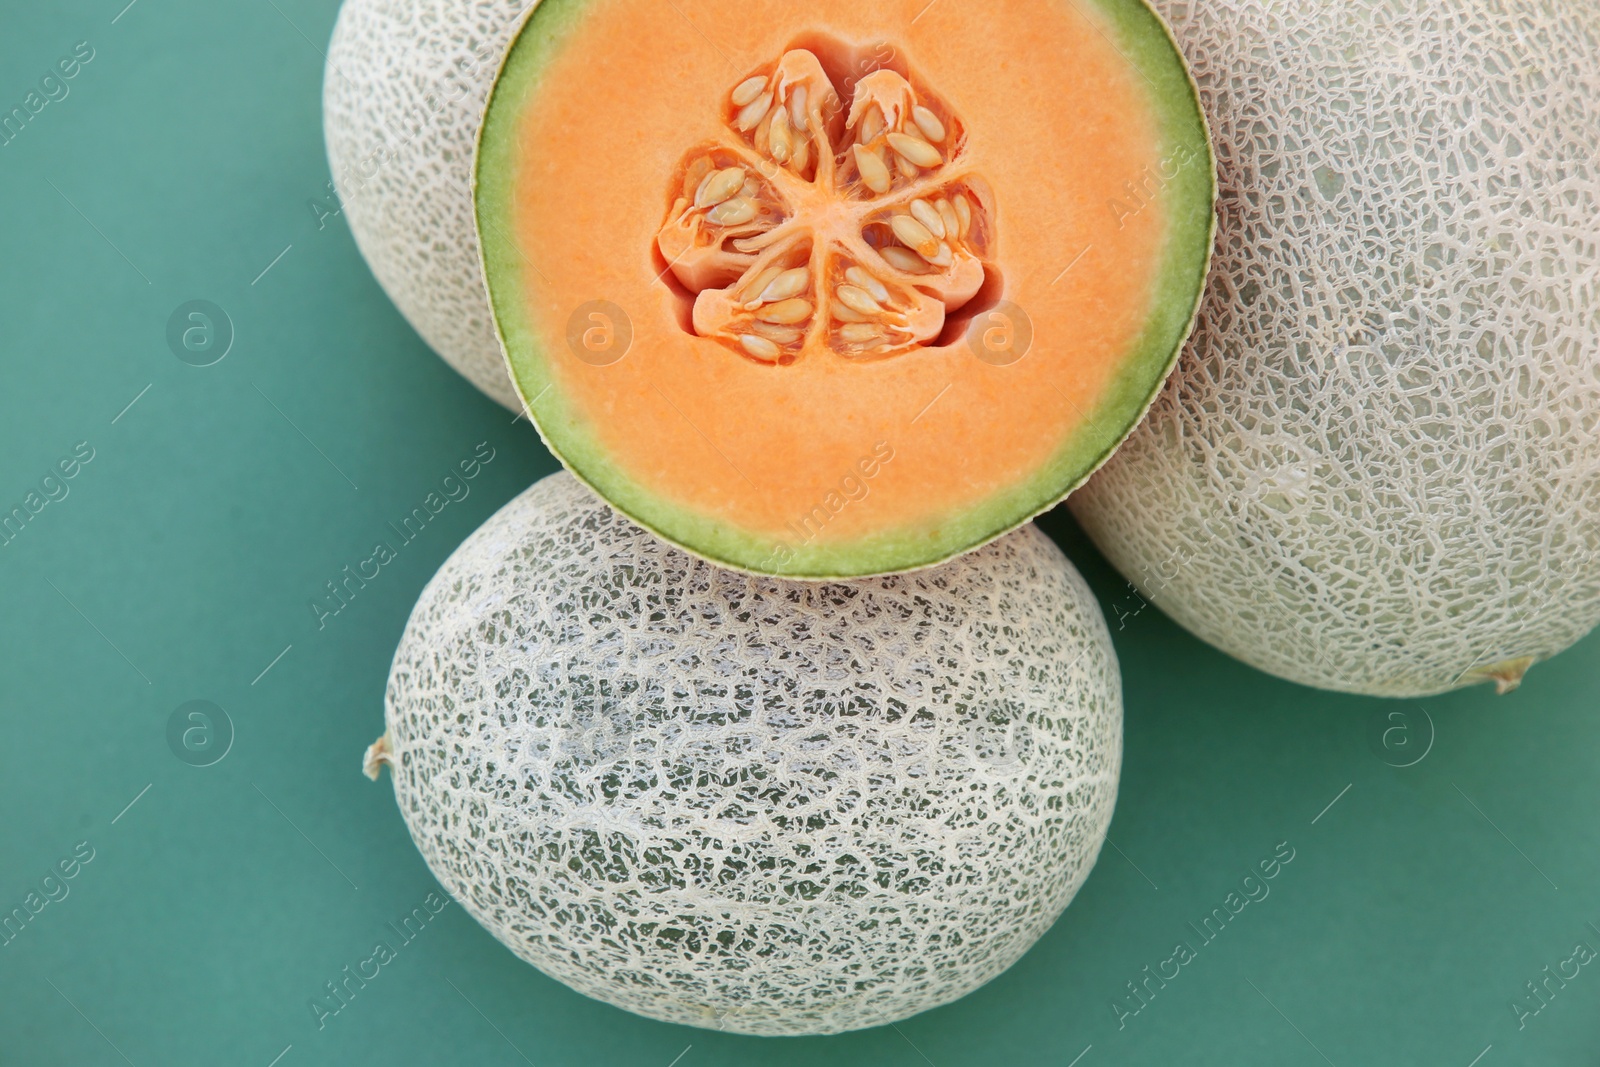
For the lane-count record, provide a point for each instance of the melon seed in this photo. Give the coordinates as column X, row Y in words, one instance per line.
column 760, row 347
column 913, row 234
column 797, row 109
column 858, row 300
column 915, row 150
column 924, row 213
column 860, row 332
column 964, row 213
column 928, row 123
column 753, row 112
column 874, row 174
column 859, row 277
column 748, row 90
column 717, row 187
column 786, row 312
column 733, row 212
column 784, row 335
column 791, row 282
column 903, row 259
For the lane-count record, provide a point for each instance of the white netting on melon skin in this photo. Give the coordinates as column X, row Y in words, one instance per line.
column 761, row 806
column 1377, row 467
column 402, row 102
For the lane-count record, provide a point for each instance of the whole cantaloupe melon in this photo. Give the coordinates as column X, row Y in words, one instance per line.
column 762, row 806
column 402, row 102
column 1377, row 468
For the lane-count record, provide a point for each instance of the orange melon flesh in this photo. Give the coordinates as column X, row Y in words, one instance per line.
column 1082, row 148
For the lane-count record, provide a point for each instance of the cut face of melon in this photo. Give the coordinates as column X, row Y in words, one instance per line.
column 846, row 290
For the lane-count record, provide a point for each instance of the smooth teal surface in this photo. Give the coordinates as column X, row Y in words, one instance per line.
column 184, row 557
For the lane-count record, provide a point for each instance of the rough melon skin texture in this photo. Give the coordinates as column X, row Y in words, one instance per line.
column 731, row 282
column 761, row 806
column 1377, row 468
column 402, row 99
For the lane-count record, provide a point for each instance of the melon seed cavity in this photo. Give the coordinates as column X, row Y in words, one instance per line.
column 817, row 227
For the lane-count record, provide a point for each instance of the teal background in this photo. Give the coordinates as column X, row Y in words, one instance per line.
column 181, row 564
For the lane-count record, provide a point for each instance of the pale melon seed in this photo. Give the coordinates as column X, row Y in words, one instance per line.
column 786, row 312
column 718, row 186
column 859, row 332
column 752, row 294
column 797, row 109
column 753, row 112
column 904, row 259
column 760, row 347
column 732, row 212
column 915, row 150
column 748, row 90
column 924, row 213
column 859, row 277
column 947, row 215
column 858, row 300
column 913, row 233
column 964, row 213
column 784, row 335
column 874, row 174
column 780, row 144
column 928, row 123
column 791, row 282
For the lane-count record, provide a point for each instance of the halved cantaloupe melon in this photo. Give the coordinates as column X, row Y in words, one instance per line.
column 841, row 289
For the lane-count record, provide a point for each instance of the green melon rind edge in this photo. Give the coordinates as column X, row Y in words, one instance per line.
column 1144, row 39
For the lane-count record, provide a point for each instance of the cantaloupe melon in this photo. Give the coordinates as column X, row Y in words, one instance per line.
column 402, row 102
column 763, row 806
column 1378, row 468
column 741, row 253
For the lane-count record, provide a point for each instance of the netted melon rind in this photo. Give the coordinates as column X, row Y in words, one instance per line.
column 402, row 103
column 741, row 803
column 1377, row 468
